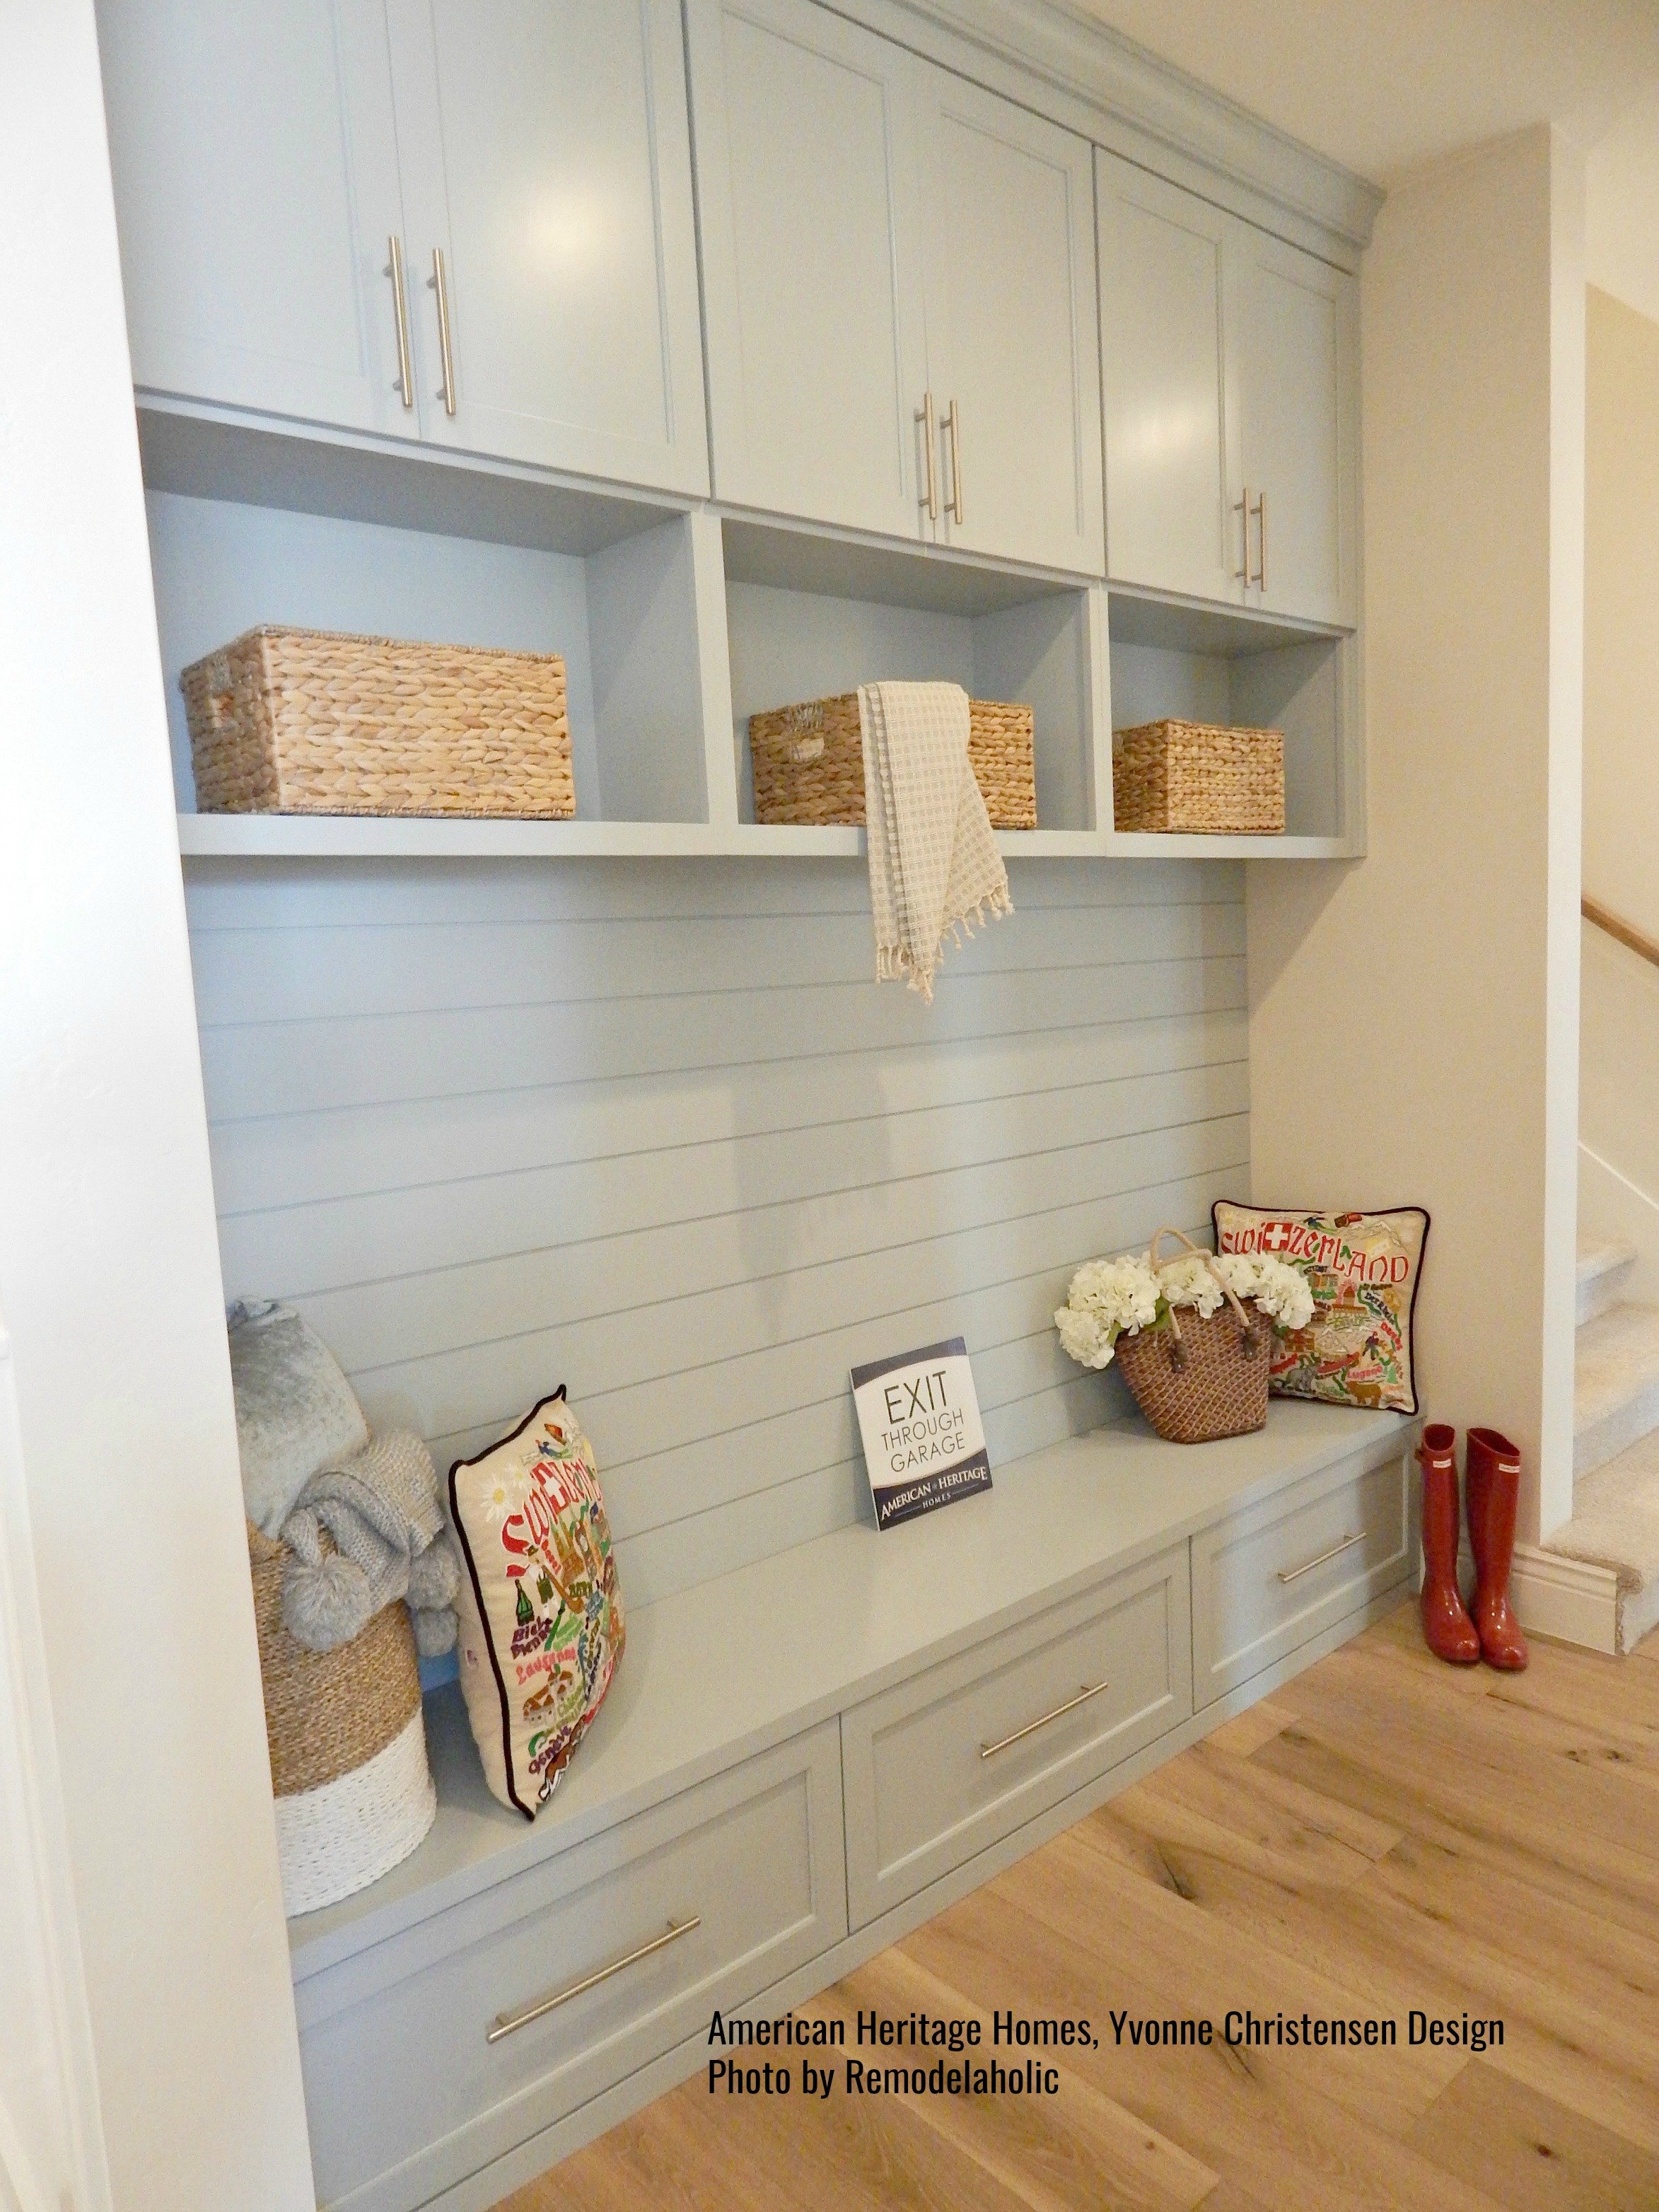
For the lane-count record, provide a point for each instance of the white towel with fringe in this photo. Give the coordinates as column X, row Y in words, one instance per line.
column 934, row 867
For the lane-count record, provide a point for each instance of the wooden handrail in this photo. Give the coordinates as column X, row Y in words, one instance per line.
column 1604, row 918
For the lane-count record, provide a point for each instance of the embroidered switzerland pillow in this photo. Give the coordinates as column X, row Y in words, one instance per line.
column 1363, row 1270
column 541, row 1621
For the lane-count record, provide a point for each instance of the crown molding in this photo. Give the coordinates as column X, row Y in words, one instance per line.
column 1094, row 76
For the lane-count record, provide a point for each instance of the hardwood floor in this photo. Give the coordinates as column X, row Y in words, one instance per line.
column 1386, row 1834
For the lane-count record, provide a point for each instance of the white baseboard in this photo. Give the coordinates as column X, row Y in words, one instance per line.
column 1554, row 1596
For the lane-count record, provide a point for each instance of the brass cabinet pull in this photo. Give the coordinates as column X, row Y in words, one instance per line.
column 929, row 497
column 953, row 431
column 990, row 1750
column 1242, row 510
column 1295, row 1574
column 438, row 284
column 394, row 269
column 509, row 2023
column 1260, row 543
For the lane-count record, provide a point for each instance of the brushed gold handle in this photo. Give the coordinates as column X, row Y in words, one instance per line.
column 953, row 431
column 1242, row 510
column 437, row 283
column 929, row 498
column 508, row 2023
column 394, row 269
column 1260, row 543
column 1295, row 1574
column 990, row 1750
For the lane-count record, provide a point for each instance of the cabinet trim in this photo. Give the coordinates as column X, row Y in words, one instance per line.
column 1088, row 77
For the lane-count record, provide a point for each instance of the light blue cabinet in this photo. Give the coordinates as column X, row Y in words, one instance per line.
column 813, row 258
column 1013, row 359
column 1230, row 370
column 899, row 282
column 464, row 221
column 257, row 190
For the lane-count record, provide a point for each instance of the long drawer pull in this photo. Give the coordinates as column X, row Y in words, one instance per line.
column 509, row 2023
column 1295, row 1574
column 990, row 1750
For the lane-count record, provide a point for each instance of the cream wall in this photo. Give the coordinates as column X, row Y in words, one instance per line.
column 1413, row 1016
column 1622, row 230
column 1621, row 609
column 1619, row 1037
column 109, row 1274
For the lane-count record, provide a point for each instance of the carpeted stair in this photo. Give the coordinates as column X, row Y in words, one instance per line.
column 1615, row 1498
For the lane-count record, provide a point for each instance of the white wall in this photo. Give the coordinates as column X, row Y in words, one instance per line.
column 109, row 1278
column 1414, row 1015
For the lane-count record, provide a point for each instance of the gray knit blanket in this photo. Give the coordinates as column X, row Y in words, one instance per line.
column 380, row 1511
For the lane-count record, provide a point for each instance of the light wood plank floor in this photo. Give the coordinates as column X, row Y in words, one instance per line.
column 1386, row 1833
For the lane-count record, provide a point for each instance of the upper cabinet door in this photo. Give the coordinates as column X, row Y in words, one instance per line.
column 546, row 158
column 1298, row 379
column 1173, row 485
column 1013, row 360
column 256, row 180
column 811, row 261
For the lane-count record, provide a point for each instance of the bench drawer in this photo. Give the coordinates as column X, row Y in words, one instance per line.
column 1280, row 1574
column 406, row 2095
column 944, row 1764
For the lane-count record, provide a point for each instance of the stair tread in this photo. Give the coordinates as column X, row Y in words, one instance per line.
column 1600, row 1256
column 1615, row 1516
column 1617, row 1361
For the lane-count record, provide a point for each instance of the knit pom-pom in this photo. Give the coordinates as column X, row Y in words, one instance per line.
column 435, row 1578
column 435, row 1628
column 325, row 1605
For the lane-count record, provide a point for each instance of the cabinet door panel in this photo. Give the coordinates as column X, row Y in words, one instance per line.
column 546, row 150
column 1297, row 376
column 1012, row 334
column 806, row 196
column 256, row 184
column 1171, row 488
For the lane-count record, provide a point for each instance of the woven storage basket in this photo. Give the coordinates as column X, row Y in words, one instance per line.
column 348, row 1744
column 308, row 721
column 808, row 763
column 1197, row 1380
column 1193, row 776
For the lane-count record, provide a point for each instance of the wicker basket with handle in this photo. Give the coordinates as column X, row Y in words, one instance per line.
column 308, row 721
column 348, row 1744
column 1197, row 1379
column 1195, row 776
column 808, row 763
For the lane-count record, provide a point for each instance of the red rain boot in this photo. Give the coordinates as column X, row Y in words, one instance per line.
column 1492, row 1491
column 1446, row 1628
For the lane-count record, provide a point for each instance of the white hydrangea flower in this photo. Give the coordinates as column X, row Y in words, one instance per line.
column 1111, row 1297
column 1189, row 1281
column 1280, row 1289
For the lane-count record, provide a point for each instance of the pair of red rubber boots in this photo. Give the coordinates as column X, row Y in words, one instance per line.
column 1492, row 1488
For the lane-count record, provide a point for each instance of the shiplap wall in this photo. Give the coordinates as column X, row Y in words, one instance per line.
column 649, row 1128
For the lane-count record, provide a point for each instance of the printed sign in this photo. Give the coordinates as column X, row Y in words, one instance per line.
column 923, row 1443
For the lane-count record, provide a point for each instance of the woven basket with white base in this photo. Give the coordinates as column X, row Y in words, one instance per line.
column 348, row 1744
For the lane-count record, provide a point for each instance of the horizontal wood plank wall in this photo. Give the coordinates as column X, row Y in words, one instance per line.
column 649, row 1128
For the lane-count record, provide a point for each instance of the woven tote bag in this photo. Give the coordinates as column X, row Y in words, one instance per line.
column 1197, row 1379
column 348, row 1744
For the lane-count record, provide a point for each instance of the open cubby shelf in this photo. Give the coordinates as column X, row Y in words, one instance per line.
column 677, row 622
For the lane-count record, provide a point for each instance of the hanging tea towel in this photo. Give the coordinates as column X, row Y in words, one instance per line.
column 935, row 868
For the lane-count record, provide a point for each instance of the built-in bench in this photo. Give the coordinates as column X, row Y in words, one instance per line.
column 803, row 1760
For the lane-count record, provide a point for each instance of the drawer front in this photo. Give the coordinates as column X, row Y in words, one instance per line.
column 942, row 1764
column 1281, row 1573
column 404, row 2093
